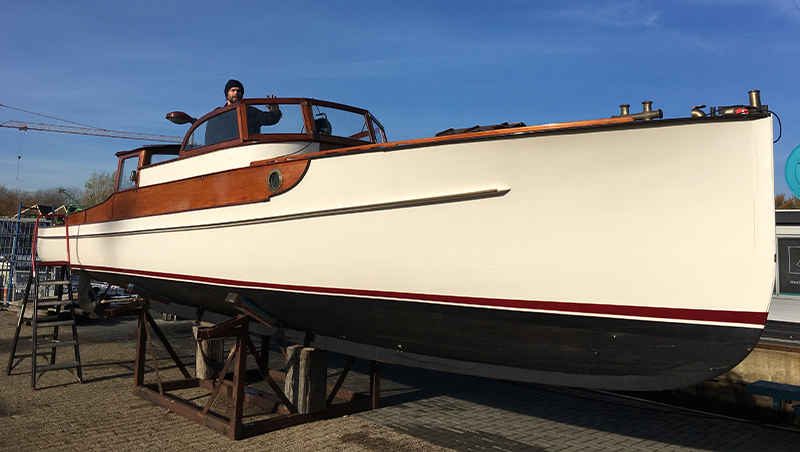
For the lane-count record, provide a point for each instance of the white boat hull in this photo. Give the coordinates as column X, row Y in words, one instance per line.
column 666, row 228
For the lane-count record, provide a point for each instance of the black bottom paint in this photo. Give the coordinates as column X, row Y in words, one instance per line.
column 565, row 350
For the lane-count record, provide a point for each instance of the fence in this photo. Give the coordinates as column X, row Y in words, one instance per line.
column 16, row 239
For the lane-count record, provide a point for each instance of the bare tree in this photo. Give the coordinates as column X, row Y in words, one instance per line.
column 10, row 199
column 781, row 203
column 99, row 187
column 53, row 197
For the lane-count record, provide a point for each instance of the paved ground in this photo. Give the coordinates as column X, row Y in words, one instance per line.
column 422, row 410
column 786, row 333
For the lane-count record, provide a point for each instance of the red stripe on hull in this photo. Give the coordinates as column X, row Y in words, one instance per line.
column 698, row 315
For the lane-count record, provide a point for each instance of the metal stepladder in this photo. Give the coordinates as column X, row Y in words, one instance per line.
column 60, row 313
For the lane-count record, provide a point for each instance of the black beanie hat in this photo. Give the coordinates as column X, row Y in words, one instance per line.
column 231, row 83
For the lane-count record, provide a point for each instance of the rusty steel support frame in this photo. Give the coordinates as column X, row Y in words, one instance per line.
column 233, row 427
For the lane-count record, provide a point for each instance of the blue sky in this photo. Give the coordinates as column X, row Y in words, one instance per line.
column 419, row 66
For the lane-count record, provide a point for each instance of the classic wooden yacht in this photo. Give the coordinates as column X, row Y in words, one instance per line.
column 631, row 252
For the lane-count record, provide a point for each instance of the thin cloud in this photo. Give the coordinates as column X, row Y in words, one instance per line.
column 624, row 14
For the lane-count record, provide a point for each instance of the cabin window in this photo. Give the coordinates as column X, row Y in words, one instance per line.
column 340, row 123
column 219, row 128
column 154, row 155
column 128, row 173
column 158, row 158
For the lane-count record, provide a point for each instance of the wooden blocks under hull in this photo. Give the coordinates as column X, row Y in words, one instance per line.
column 287, row 412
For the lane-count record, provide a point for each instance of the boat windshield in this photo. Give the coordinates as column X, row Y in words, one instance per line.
column 291, row 119
column 285, row 117
column 340, row 123
column 216, row 129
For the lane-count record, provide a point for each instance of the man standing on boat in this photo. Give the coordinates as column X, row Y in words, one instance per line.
column 234, row 91
column 225, row 126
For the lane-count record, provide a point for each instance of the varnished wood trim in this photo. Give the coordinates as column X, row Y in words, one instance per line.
column 80, row 217
column 232, row 187
column 308, row 117
column 464, row 136
column 120, row 205
column 416, row 202
column 97, row 213
column 241, row 114
column 300, row 101
column 338, row 106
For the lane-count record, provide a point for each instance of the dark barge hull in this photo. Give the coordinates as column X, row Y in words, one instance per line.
column 546, row 348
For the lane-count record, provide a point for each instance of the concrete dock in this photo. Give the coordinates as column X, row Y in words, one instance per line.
column 421, row 411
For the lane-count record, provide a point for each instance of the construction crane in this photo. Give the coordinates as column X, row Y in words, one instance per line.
column 82, row 129
column 90, row 131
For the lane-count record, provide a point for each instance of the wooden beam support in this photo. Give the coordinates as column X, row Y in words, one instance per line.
column 249, row 308
column 224, row 329
column 233, row 425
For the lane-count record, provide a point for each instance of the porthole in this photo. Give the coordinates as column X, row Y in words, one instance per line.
column 275, row 180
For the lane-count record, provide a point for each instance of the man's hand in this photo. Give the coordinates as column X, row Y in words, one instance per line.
column 273, row 108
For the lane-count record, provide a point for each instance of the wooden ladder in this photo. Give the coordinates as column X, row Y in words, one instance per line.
column 60, row 312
